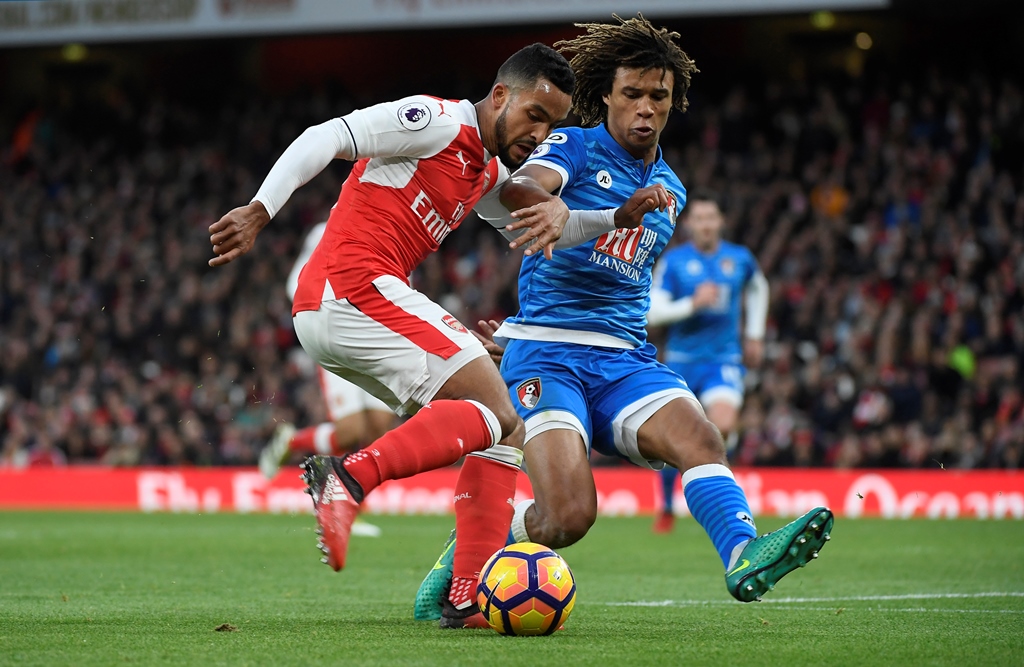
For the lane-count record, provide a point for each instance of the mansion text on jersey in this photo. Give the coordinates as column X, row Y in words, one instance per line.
column 610, row 262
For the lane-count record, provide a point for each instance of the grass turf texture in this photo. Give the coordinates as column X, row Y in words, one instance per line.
column 105, row 589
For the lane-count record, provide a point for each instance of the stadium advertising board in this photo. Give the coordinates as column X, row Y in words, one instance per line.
column 621, row 492
column 58, row 21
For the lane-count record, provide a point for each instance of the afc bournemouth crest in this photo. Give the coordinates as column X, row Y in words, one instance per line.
column 454, row 324
column 529, row 393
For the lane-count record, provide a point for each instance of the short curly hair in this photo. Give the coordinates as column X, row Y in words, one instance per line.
column 632, row 43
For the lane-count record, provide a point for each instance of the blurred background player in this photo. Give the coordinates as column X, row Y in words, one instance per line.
column 357, row 417
column 700, row 290
column 422, row 164
column 577, row 363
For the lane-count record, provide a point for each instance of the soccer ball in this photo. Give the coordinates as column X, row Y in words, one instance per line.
column 526, row 589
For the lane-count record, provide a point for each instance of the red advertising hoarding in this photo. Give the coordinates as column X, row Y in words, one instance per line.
column 621, row 491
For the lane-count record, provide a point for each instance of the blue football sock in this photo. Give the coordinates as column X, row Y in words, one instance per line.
column 718, row 504
column 669, row 475
column 510, row 539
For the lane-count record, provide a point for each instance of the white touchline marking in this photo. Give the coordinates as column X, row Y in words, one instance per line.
column 908, row 596
column 916, row 610
column 852, row 598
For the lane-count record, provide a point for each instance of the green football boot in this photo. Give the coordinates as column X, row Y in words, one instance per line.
column 770, row 557
column 433, row 591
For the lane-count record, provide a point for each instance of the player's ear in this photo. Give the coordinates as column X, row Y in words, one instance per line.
column 499, row 95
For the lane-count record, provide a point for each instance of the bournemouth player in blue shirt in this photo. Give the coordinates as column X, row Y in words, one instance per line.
column 578, row 366
column 701, row 290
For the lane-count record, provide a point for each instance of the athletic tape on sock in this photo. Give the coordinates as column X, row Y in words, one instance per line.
column 491, row 419
column 519, row 521
column 503, row 454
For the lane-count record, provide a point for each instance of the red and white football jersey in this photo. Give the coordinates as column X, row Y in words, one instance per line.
column 421, row 168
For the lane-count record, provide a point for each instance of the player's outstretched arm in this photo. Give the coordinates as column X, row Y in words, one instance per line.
column 583, row 226
column 756, row 296
column 535, row 225
column 233, row 235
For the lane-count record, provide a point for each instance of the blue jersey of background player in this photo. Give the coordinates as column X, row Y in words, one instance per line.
column 700, row 291
column 577, row 364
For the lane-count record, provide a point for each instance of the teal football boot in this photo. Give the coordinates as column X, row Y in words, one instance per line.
column 433, row 592
column 770, row 557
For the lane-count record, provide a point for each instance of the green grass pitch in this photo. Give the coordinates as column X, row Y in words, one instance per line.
column 135, row 589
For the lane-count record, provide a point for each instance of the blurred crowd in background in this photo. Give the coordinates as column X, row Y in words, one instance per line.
column 888, row 215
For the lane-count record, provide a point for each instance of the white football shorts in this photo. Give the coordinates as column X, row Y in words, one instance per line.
column 390, row 340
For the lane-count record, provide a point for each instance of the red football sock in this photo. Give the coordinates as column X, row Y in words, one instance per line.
column 438, row 435
column 484, row 497
column 332, row 442
column 319, row 439
column 303, row 440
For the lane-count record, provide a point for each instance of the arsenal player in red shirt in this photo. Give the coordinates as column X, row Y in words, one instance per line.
column 422, row 163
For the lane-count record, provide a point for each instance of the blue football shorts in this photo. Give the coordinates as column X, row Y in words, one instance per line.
column 604, row 394
column 713, row 383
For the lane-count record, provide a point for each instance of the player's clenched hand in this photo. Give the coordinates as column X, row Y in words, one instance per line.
column 488, row 328
column 233, row 235
column 543, row 223
column 705, row 295
column 631, row 214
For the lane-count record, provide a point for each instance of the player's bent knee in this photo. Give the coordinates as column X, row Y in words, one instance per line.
column 709, row 441
column 699, row 444
column 566, row 526
column 517, row 436
column 714, row 439
column 576, row 528
column 509, row 419
column 503, row 424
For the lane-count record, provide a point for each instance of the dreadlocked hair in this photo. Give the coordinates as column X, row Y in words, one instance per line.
column 632, row 43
